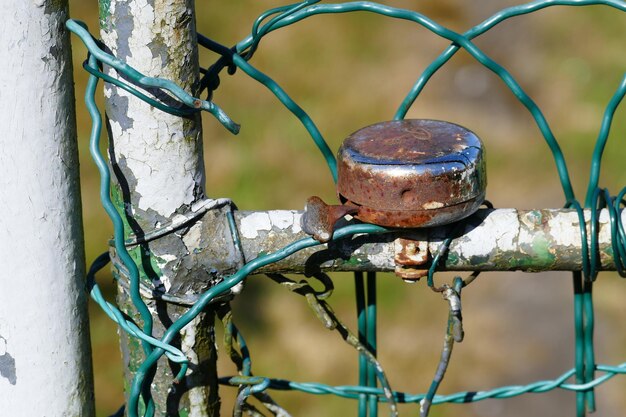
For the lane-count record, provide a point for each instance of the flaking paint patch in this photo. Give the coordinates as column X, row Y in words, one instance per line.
column 431, row 205
column 382, row 259
column 192, row 239
column 494, row 232
column 7, row 363
column 148, row 145
column 162, row 261
column 253, row 223
column 197, row 395
column 506, row 238
column 280, row 218
column 165, row 280
column 564, row 229
column 295, row 227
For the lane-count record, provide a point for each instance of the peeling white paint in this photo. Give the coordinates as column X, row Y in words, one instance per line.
column 161, row 262
column 384, row 258
column 165, row 280
column 281, row 219
column 431, row 205
column 499, row 228
column 192, row 239
column 565, row 230
column 506, row 236
column 160, row 150
column 197, row 395
column 152, row 308
column 167, row 257
column 236, row 290
column 188, row 342
column 253, row 223
column 605, row 229
column 296, row 226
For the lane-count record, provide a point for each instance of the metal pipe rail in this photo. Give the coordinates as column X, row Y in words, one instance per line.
column 490, row 240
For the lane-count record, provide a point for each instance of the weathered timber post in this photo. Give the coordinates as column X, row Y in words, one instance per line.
column 158, row 173
column 45, row 356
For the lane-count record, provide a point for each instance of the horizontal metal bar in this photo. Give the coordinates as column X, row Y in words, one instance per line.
column 489, row 240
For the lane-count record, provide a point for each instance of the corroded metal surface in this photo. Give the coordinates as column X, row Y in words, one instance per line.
column 489, row 240
column 156, row 159
column 412, row 173
column 319, row 218
column 411, row 253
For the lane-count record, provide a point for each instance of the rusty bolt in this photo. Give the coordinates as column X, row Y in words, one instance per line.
column 409, row 253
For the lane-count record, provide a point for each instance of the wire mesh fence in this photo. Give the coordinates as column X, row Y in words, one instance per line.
column 586, row 375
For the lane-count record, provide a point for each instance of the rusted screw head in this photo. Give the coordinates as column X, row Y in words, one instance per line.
column 412, row 173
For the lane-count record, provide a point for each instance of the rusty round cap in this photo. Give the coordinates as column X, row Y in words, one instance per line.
column 412, row 173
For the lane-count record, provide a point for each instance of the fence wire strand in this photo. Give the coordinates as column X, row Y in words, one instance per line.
column 367, row 393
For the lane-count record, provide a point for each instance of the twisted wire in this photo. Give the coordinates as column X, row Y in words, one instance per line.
column 239, row 56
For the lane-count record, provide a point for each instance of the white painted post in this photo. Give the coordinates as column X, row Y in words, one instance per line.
column 45, row 357
column 156, row 159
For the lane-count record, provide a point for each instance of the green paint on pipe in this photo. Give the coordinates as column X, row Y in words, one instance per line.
column 453, row 259
column 118, row 201
column 479, row 260
column 104, row 7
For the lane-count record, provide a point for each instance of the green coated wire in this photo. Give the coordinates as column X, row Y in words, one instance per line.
column 590, row 361
column 579, row 345
column 154, row 103
column 294, row 108
column 317, row 302
column 105, row 196
column 225, row 285
column 118, row 225
column 287, row 15
column 354, row 392
column 603, row 137
column 80, row 30
column 359, row 290
column 583, row 318
column 371, row 339
column 258, row 32
column 483, row 27
column 174, row 354
column 453, row 334
column 620, row 230
column 242, row 360
column 443, row 32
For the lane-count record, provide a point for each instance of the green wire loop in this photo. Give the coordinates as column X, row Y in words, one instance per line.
column 80, row 30
column 596, row 199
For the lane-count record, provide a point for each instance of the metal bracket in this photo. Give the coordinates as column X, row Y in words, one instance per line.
column 410, row 252
column 319, row 218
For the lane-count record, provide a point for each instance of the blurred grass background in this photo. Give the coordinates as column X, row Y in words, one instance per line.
column 350, row 71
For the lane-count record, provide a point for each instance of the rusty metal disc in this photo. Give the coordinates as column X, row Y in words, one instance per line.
column 412, row 173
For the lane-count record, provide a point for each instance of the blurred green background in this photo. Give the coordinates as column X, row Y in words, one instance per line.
column 350, row 71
